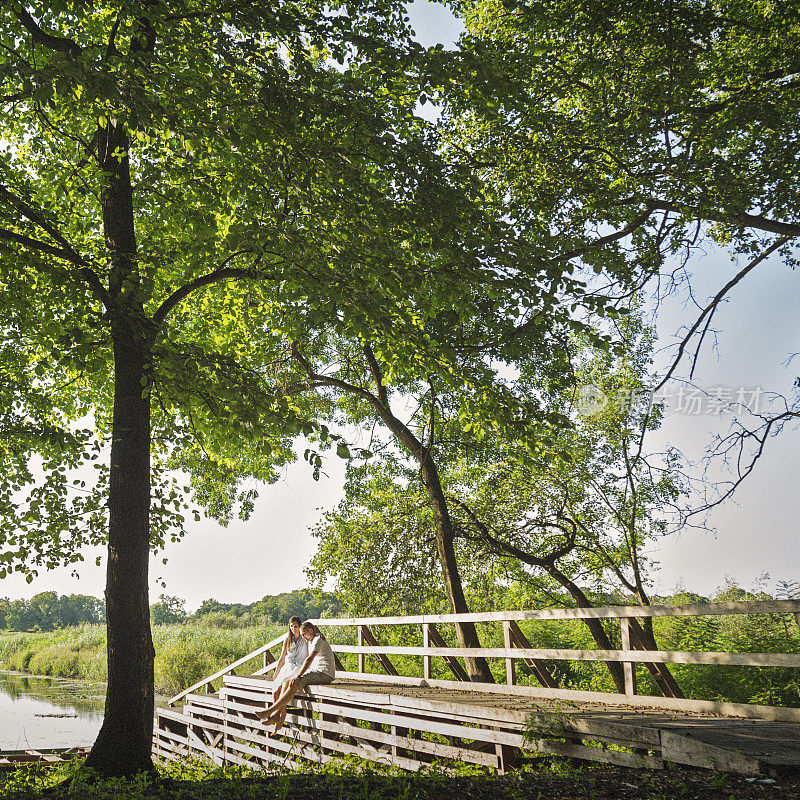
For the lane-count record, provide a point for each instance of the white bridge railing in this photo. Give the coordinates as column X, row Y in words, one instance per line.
column 517, row 647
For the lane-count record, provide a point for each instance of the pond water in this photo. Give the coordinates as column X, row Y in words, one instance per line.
column 39, row 712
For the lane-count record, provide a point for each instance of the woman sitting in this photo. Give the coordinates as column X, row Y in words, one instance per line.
column 320, row 656
column 293, row 654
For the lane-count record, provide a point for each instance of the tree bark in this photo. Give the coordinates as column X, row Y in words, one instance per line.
column 467, row 634
column 124, row 744
column 594, row 625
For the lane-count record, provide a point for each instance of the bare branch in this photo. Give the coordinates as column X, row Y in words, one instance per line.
column 711, row 307
column 736, row 441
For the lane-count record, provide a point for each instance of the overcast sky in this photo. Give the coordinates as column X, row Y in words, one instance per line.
column 757, row 532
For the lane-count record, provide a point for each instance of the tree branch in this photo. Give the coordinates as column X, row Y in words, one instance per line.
column 327, row 380
column 85, row 272
column 56, row 43
column 758, row 221
column 38, row 219
column 377, row 375
column 612, row 237
column 760, row 436
column 223, row 273
column 711, row 307
column 42, row 247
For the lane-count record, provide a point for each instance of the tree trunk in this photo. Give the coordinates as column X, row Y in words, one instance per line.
column 594, row 625
column 125, row 741
column 467, row 634
column 124, row 744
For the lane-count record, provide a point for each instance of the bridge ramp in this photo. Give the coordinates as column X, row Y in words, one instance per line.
column 412, row 726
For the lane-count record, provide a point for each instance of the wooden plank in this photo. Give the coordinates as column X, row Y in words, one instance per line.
column 368, row 639
column 685, row 750
column 352, row 750
column 586, row 753
column 639, row 656
column 426, row 660
column 435, row 638
column 744, row 710
column 556, row 723
column 663, row 677
column 628, row 669
column 538, row 667
column 307, row 752
column 361, row 656
column 422, row 724
column 198, row 744
column 601, row 612
column 416, row 745
column 511, row 677
column 207, row 700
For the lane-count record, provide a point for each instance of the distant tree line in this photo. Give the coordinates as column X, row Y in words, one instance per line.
column 48, row 610
column 279, row 608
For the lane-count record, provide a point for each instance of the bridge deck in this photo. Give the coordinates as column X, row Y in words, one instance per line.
column 773, row 743
column 413, row 725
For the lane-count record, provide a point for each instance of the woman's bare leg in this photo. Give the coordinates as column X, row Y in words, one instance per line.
column 279, row 689
column 276, row 713
column 277, row 698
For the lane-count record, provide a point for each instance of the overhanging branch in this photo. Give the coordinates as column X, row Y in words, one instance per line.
column 56, row 43
column 741, row 218
column 224, row 273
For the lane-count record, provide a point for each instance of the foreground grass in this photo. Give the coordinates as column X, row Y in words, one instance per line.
column 546, row 779
column 184, row 653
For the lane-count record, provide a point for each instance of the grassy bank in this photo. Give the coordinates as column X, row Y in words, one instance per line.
column 547, row 779
column 184, row 653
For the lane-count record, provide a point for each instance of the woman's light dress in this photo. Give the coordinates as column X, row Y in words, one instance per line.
column 295, row 656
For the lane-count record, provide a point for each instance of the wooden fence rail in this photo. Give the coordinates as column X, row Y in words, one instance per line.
column 518, row 648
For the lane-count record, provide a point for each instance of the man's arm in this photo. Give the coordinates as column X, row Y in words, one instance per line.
column 305, row 666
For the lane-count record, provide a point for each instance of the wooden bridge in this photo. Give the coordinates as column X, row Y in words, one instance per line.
column 411, row 721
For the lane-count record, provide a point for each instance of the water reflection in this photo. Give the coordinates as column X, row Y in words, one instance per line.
column 41, row 712
column 48, row 712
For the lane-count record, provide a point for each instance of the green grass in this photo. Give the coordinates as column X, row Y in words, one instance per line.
column 547, row 778
column 184, row 653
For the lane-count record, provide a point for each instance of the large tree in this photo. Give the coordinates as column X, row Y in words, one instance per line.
column 169, row 173
column 562, row 506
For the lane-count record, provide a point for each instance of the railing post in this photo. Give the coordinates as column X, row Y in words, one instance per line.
column 426, row 642
column 511, row 677
column 361, row 658
column 628, row 667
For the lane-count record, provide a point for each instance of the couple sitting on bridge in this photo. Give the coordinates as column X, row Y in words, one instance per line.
column 303, row 647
